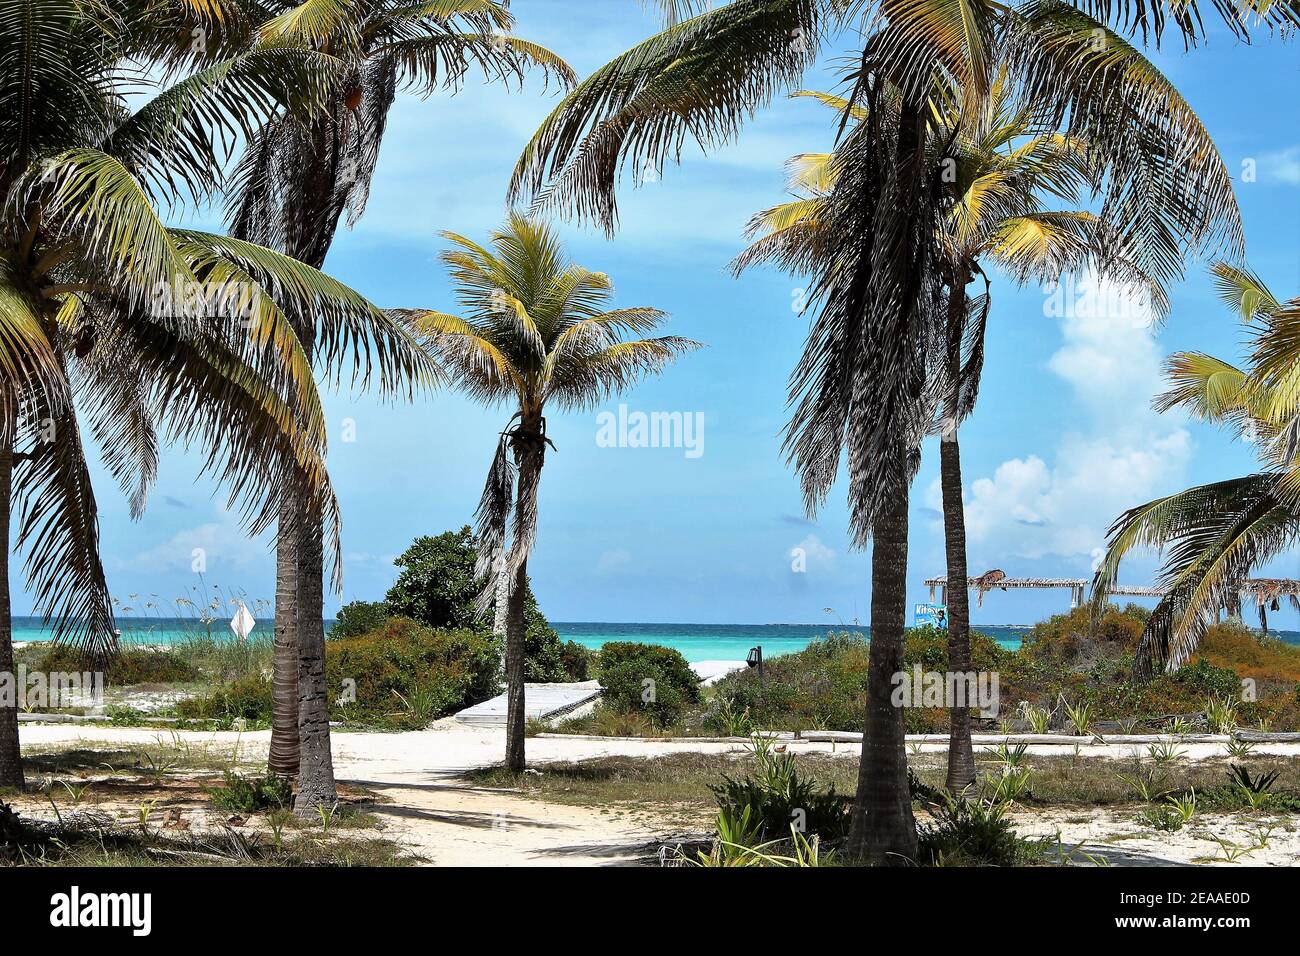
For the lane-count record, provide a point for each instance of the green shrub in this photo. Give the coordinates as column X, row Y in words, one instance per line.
column 406, row 674
column 1202, row 679
column 624, row 668
column 130, row 666
column 775, row 797
column 436, row 587
column 252, row 794
column 823, row 686
column 973, row 832
column 1078, row 638
column 359, row 617
column 547, row 659
column 246, row 698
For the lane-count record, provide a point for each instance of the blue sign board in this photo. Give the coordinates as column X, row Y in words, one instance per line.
column 930, row 615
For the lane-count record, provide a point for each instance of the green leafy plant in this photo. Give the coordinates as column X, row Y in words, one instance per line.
column 1232, row 852
column 1181, row 727
column 277, row 820
column 156, row 767
column 1148, row 783
column 731, row 719
column 436, row 587
column 252, row 794
column 971, row 831
column 1240, row 749
column 1172, row 815
column 775, row 797
column 1221, row 715
column 1010, row 785
column 1165, row 752
column 1080, row 715
column 76, row 791
column 738, row 831
column 1039, row 718
column 1254, row 791
column 1008, row 755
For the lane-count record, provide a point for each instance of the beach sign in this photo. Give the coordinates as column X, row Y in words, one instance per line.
column 930, row 615
column 243, row 622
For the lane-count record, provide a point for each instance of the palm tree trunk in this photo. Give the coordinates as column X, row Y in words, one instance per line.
column 284, row 715
column 884, row 830
column 529, row 446
column 11, row 764
column 961, row 753
column 316, row 786
column 515, row 761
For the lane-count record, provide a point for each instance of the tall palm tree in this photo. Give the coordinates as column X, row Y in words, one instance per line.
column 1215, row 535
column 294, row 183
column 1006, row 172
column 861, row 383
column 534, row 333
column 144, row 333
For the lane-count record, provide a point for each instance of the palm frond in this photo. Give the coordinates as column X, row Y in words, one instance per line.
column 58, row 530
column 698, row 79
column 180, row 139
column 347, row 329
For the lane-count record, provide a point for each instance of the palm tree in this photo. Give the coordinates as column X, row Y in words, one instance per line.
column 294, row 182
column 1215, row 535
column 534, row 333
column 142, row 332
column 861, row 385
column 1004, row 169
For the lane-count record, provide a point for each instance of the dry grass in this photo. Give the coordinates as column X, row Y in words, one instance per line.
column 151, row 805
column 680, row 782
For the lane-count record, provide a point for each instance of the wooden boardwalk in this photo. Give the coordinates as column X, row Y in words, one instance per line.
column 541, row 702
column 547, row 701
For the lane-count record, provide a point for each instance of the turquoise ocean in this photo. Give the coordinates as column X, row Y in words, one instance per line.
column 697, row 642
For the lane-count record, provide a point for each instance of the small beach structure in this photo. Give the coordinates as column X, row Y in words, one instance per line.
column 1267, row 593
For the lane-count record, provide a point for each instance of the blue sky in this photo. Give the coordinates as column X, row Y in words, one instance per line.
column 1062, row 441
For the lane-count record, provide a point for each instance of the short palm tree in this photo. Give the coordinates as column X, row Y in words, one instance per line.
column 860, row 386
column 1215, row 535
column 294, row 183
column 113, row 320
column 534, row 333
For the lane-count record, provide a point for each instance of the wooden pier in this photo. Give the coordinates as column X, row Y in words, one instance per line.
column 1267, row 593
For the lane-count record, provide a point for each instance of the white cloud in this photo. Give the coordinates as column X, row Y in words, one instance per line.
column 1116, row 454
column 610, row 561
column 221, row 545
column 815, row 553
column 1282, row 166
column 1109, row 354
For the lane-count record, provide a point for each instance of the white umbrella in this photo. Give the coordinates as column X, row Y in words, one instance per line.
column 243, row 622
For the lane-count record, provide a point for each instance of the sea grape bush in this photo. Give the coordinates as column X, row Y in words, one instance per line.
column 647, row 678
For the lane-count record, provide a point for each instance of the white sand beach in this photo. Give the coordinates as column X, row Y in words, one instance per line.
column 431, row 809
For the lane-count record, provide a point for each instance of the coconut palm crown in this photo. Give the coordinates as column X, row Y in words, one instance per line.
column 1215, row 535
column 143, row 333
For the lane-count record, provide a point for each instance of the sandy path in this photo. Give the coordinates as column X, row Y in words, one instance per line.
column 430, row 808
column 451, row 823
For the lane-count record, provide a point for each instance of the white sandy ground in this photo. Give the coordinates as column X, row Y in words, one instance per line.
column 448, row 822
